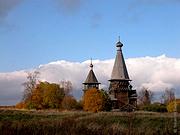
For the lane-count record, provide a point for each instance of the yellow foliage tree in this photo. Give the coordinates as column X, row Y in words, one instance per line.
column 45, row 95
column 95, row 100
column 170, row 106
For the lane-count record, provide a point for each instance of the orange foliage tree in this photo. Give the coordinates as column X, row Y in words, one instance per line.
column 96, row 100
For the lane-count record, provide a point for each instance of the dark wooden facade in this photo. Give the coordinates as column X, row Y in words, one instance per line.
column 122, row 95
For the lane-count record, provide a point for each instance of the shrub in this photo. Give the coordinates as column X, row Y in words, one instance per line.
column 106, row 101
column 20, row 105
column 155, row 108
column 79, row 105
column 170, row 106
column 69, row 103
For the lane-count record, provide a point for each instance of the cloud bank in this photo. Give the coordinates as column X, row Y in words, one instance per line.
column 156, row 73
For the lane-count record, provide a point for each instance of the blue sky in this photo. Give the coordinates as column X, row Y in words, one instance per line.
column 34, row 32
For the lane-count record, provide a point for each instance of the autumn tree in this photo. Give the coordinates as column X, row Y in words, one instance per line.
column 29, row 85
column 168, row 95
column 37, row 98
column 145, row 96
column 171, row 106
column 52, row 95
column 46, row 95
column 39, row 95
column 95, row 100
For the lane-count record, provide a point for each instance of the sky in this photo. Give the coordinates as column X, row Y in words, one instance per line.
column 36, row 32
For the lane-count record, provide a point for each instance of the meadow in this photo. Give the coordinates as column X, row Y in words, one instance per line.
column 55, row 122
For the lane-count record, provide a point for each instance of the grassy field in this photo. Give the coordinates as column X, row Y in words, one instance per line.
column 24, row 122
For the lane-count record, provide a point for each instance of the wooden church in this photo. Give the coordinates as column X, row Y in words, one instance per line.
column 123, row 97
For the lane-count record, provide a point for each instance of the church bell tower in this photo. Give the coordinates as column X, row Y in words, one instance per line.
column 91, row 80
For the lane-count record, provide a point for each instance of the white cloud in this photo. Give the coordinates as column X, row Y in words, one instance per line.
column 156, row 73
column 11, row 87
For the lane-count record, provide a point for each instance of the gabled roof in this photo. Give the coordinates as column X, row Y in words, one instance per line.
column 119, row 71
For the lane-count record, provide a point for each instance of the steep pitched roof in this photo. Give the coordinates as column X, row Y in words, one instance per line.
column 119, row 70
column 91, row 78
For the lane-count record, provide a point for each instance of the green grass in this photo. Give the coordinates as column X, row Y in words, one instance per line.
column 21, row 122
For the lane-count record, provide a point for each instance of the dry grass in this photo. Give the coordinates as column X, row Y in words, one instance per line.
column 53, row 122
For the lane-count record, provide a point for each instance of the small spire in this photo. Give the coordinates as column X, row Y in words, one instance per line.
column 119, row 44
column 91, row 65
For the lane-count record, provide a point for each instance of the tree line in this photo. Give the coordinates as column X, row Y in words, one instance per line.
column 166, row 104
column 45, row 95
